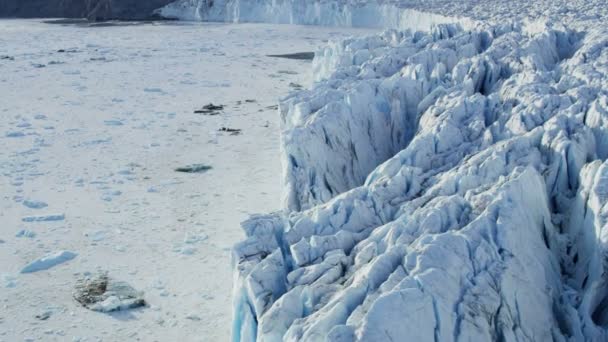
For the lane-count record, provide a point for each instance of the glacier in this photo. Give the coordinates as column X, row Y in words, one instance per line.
column 445, row 180
column 402, row 14
column 349, row 13
column 439, row 186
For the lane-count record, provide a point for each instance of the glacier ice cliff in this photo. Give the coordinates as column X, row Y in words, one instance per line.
column 439, row 186
column 400, row 14
column 349, row 13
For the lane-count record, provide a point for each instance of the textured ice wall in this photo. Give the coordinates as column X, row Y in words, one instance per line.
column 403, row 14
column 364, row 109
column 486, row 224
column 348, row 13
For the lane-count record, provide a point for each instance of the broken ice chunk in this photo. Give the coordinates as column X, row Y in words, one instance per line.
column 34, row 204
column 44, row 218
column 48, row 261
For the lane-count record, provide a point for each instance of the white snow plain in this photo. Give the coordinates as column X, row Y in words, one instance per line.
column 93, row 122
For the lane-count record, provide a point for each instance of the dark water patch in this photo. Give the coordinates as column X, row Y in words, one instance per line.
column 232, row 131
column 194, row 168
column 302, row 56
column 105, row 23
column 210, row 109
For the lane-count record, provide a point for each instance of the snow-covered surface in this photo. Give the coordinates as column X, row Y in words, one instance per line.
column 441, row 186
column 90, row 142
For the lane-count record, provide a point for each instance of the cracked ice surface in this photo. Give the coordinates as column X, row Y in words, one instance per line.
column 446, row 186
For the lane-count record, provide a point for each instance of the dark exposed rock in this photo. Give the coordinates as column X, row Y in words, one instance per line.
column 43, row 316
column 305, row 56
column 232, row 131
column 210, row 109
column 104, row 294
column 194, row 168
column 91, row 9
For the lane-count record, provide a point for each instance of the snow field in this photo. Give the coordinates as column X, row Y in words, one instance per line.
column 102, row 117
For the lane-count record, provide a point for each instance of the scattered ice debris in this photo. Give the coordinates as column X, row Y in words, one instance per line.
column 232, row 131
column 24, row 233
column 94, row 142
column 8, row 281
column 104, row 294
column 14, row 134
column 194, row 168
column 109, row 195
column 96, row 236
column 32, row 204
column 44, row 218
column 307, row 56
column 192, row 238
column 193, row 317
column 187, row 246
column 113, row 123
column 210, row 109
column 239, row 102
column 153, row 90
column 184, row 249
column 120, row 248
column 43, row 316
column 287, row 72
column 49, row 261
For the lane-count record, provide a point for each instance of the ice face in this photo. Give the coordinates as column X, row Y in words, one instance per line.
column 400, row 14
column 382, row 14
column 439, row 186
